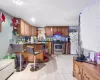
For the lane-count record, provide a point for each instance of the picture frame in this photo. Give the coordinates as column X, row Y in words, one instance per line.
column 92, row 56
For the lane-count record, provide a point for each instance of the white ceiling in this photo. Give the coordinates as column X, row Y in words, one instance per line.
column 47, row 12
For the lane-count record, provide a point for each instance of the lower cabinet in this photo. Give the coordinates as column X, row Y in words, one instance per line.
column 85, row 71
column 86, row 76
column 78, row 71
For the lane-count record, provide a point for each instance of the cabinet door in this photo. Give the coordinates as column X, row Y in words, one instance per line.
column 0, row 26
column 65, row 31
column 49, row 31
column 22, row 27
column 59, row 29
column 55, row 29
column 33, row 31
column 78, row 71
column 86, row 76
column 30, row 30
column 26, row 29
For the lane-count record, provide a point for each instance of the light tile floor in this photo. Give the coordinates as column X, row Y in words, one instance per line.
column 58, row 68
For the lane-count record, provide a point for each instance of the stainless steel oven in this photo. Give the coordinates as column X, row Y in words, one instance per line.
column 58, row 47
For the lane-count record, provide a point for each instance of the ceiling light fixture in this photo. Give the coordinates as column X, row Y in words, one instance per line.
column 33, row 19
column 18, row 2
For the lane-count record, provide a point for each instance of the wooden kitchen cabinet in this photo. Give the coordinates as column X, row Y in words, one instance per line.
column 33, row 31
column 59, row 29
column 65, row 31
column 49, row 31
column 26, row 29
column 52, row 29
column 55, row 29
column 38, row 47
column 86, row 76
column 85, row 71
column 78, row 71
column 22, row 28
column 29, row 30
column 0, row 26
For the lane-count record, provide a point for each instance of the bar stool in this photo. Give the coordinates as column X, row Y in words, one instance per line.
column 18, row 48
column 30, row 50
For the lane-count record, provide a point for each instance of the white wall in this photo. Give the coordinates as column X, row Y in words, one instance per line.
column 5, row 35
column 90, row 27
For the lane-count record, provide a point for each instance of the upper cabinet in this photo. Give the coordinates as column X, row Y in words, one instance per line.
column 50, row 30
column 0, row 25
column 33, row 31
column 65, row 31
column 26, row 29
column 22, row 28
column 55, row 29
column 59, row 29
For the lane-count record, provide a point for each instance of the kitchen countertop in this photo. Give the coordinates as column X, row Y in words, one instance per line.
column 35, row 43
column 38, row 43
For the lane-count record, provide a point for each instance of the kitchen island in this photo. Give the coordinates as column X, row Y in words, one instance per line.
column 38, row 47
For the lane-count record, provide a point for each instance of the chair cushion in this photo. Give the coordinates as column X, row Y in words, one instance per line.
column 5, row 62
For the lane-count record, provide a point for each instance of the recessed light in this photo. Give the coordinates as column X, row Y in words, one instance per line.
column 33, row 19
column 18, row 2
